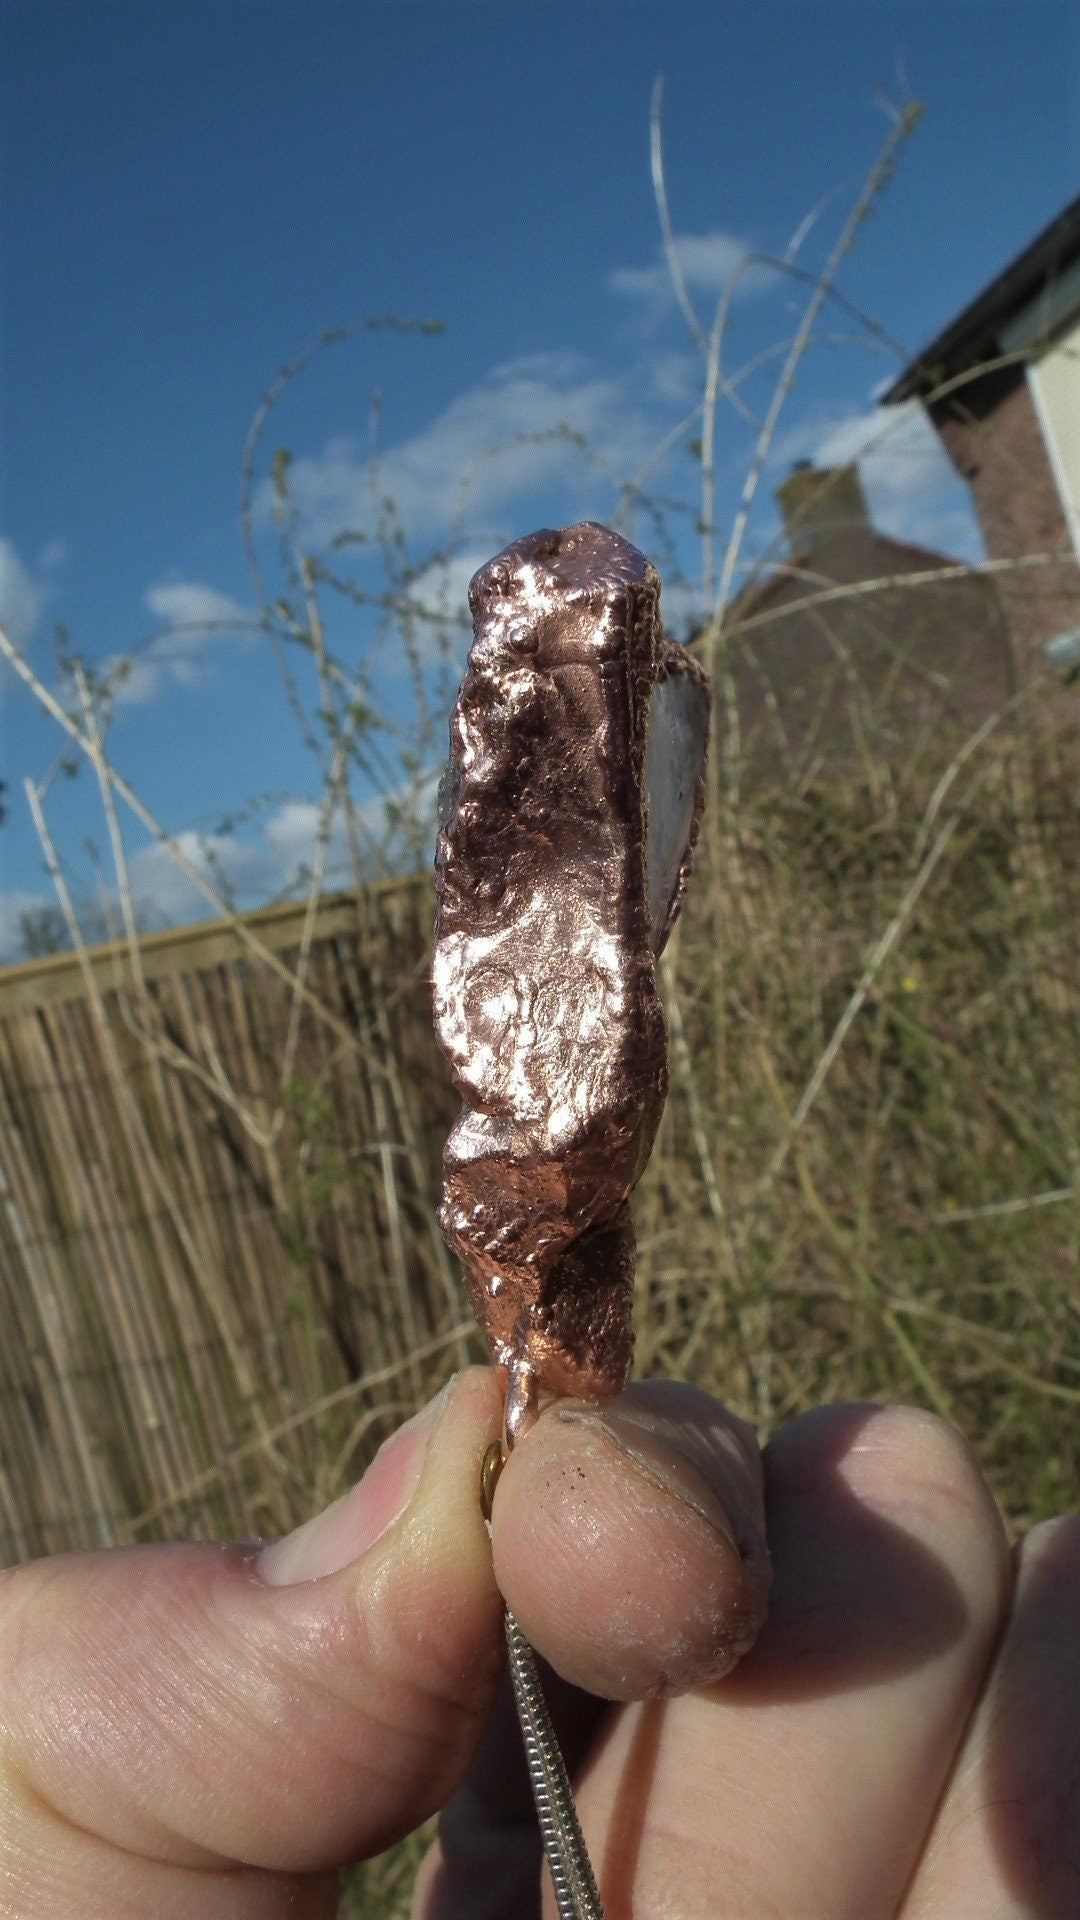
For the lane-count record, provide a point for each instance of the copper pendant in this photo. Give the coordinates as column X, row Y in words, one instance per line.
column 569, row 812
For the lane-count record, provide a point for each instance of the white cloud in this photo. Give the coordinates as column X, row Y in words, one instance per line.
column 395, row 830
column 440, row 593
column 135, row 682
column 443, row 587
column 192, row 603
column 911, row 487
column 22, row 597
column 709, row 262
column 403, row 826
column 515, row 433
column 676, row 378
column 292, row 843
column 195, row 616
column 897, row 446
column 161, row 885
column 165, row 895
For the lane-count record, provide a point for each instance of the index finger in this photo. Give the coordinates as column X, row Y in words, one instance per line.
column 629, row 1540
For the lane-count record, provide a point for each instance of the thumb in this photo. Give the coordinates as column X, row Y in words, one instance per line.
column 293, row 1707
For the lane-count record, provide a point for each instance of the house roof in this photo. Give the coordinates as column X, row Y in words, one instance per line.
column 827, row 682
column 973, row 334
column 756, row 595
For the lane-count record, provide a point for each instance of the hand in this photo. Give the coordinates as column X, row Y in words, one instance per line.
column 206, row 1731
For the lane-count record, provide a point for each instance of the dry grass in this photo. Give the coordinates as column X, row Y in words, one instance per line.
column 867, row 1181
column 916, row 1235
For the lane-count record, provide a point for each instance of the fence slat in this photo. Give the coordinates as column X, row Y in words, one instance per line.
column 192, row 1253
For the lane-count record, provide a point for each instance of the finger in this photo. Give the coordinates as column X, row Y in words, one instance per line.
column 629, row 1540
column 1006, row 1843
column 202, row 1705
column 804, row 1784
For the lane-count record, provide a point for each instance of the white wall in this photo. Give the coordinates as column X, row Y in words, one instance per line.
column 1054, row 380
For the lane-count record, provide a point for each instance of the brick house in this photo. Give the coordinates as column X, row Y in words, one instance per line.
column 1001, row 386
column 855, row 677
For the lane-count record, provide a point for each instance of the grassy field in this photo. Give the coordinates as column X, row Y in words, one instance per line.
column 866, row 1183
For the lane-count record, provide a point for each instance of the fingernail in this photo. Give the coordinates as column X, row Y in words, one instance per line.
column 698, row 1460
column 354, row 1522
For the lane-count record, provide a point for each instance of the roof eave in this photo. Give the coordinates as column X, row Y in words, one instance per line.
column 974, row 329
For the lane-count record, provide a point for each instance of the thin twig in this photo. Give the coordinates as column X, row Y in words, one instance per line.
column 187, row 867
column 857, row 1000
column 997, row 1209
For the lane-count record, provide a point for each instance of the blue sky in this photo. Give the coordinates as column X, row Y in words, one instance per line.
column 192, row 189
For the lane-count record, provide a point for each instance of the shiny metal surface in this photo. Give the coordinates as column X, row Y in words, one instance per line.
column 576, row 1894
column 570, row 808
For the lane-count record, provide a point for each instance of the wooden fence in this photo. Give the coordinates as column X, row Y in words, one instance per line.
column 218, row 1257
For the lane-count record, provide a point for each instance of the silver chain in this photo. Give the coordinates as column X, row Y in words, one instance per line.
column 576, row 1891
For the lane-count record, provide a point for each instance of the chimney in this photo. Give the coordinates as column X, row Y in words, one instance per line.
column 817, row 502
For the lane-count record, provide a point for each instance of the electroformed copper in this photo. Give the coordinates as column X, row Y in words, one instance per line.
column 570, row 808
